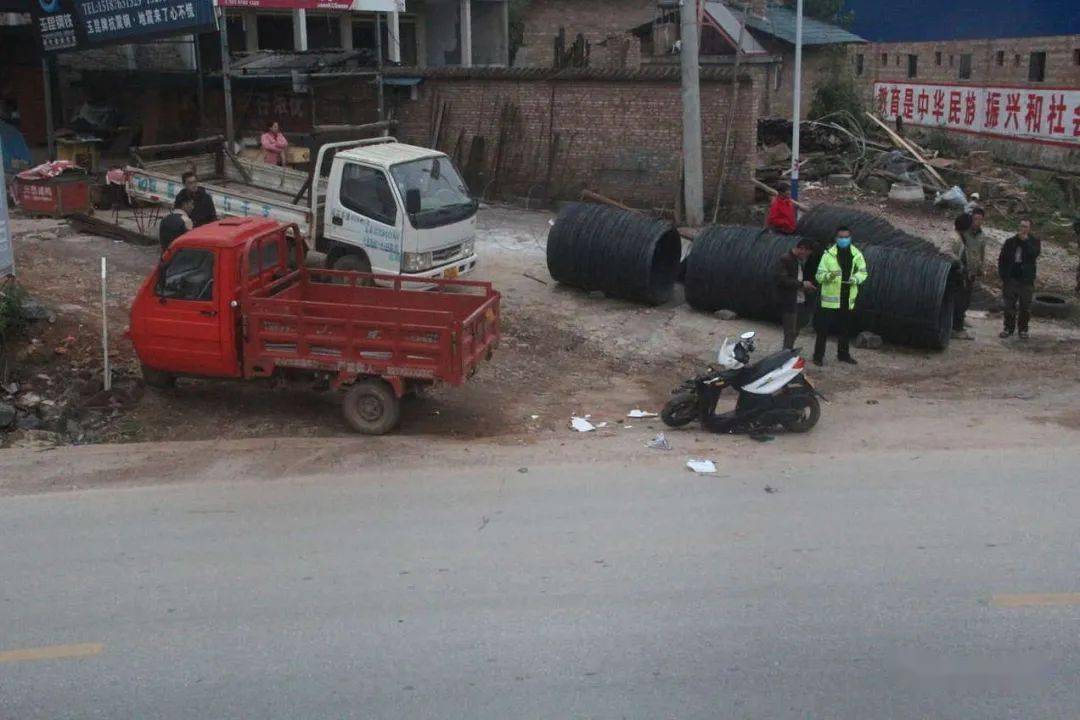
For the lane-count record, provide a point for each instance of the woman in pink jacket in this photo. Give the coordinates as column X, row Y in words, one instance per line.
column 273, row 145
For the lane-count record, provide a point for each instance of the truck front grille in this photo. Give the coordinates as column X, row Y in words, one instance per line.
column 440, row 256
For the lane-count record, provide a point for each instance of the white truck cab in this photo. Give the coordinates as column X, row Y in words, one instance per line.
column 395, row 209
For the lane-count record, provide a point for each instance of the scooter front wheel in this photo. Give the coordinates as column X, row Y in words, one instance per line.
column 680, row 410
column 806, row 404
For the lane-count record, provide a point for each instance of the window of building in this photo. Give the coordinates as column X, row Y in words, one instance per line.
column 965, row 66
column 363, row 31
column 275, row 32
column 366, row 191
column 1016, row 60
column 937, row 58
column 778, row 79
column 1037, row 67
column 952, row 60
column 323, row 31
column 999, row 57
column 897, row 61
column 859, row 64
column 912, row 66
column 884, row 59
column 1076, row 57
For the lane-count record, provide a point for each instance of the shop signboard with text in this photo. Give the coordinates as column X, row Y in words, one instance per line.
column 65, row 25
column 353, row 5
column 1045, row 115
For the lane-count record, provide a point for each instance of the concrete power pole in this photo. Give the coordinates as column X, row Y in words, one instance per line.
column 691, row 104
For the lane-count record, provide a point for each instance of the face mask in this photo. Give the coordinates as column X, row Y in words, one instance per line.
column 843, row 243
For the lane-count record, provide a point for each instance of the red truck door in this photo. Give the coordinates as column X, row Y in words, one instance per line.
column 185, row 324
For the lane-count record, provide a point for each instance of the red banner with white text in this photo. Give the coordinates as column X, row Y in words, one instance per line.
column 357, row 5
column 1047, row 115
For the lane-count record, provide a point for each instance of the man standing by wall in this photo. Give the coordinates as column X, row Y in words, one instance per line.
column 793, row 288
column 1016, row 268
column 969, row 248
column 839, row 274
column 1076, row 232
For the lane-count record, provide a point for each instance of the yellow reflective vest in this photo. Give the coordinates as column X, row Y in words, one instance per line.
column 829, row 277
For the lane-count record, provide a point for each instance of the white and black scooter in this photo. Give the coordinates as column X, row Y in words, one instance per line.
column 772, row 393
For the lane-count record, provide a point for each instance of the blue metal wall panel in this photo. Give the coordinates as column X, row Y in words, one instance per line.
column 930, row 20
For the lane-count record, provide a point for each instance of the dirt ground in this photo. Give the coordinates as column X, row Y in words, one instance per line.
column 564, row 352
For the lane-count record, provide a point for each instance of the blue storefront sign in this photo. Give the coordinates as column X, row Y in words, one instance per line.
column 65, row 25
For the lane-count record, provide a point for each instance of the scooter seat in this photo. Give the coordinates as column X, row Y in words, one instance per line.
column 766, row 366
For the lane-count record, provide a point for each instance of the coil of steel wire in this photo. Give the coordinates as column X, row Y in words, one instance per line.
column 734, row 268
column 820, row 224
column 623, row 254
column 907, row 298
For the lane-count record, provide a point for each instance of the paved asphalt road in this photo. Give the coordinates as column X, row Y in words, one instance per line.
column 867, row 587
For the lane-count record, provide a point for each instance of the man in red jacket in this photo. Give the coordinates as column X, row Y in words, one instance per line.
column 781, row 216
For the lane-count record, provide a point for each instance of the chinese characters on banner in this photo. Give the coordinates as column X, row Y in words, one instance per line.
column 1047, row 115
column 77, row 24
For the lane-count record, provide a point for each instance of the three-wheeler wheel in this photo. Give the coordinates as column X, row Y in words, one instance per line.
column 371, row 407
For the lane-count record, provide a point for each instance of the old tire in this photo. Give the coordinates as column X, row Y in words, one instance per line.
column 1049, row 305
column 355, row 263
column 808, row 404
column 158, row 378
column 680, row 410
column 371, row 407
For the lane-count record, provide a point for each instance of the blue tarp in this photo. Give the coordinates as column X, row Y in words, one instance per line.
column 15, row 148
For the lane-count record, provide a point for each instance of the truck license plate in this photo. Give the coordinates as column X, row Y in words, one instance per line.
column 450, row 273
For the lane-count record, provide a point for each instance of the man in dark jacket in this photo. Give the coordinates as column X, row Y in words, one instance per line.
column 793, row 287
column 204, row 211
column 175, row 224
column 1016, row 268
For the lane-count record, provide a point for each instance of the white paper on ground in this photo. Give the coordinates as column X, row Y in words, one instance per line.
column 581, row 424
column 701, row 466
column 636, row 413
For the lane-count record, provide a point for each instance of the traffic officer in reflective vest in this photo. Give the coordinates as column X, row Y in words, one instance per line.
column 839, row 274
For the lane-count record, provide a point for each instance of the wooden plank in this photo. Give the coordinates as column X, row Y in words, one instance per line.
column 904, row 144
column 774, row 193
column 604, row 200
column 205, row 144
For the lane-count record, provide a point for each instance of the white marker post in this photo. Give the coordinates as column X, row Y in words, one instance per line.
column 105, row 371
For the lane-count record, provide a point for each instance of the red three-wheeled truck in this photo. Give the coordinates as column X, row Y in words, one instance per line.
column 234, row 299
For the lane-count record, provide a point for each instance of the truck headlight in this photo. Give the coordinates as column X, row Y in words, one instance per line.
column 415, row 262
column 467, row 248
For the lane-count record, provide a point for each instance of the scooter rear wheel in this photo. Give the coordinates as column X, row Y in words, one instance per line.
column 809, row 413
column 680, row 410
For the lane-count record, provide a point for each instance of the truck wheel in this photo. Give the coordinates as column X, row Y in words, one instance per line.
column 158, row 378
column 371, row 407
column 355, row 263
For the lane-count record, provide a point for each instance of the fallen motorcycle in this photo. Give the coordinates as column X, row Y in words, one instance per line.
column 772, row 393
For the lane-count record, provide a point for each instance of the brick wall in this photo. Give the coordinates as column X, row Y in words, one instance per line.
column 595, row 19
column 619, row 134
column 1062, row 68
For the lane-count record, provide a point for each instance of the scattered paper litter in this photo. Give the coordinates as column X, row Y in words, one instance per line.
column 581, row 424
column 636, row 413
column 534, row 417
column 701, row 466
column 601, row 425
column 659, row 442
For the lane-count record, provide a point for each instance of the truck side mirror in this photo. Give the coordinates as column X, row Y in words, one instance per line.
column 412, row 201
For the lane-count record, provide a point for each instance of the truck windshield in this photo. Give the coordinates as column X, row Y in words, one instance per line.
column 444, row 199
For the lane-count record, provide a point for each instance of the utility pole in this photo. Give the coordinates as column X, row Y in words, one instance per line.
column 796, row 113
column 693, row 179
column 226, row 79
